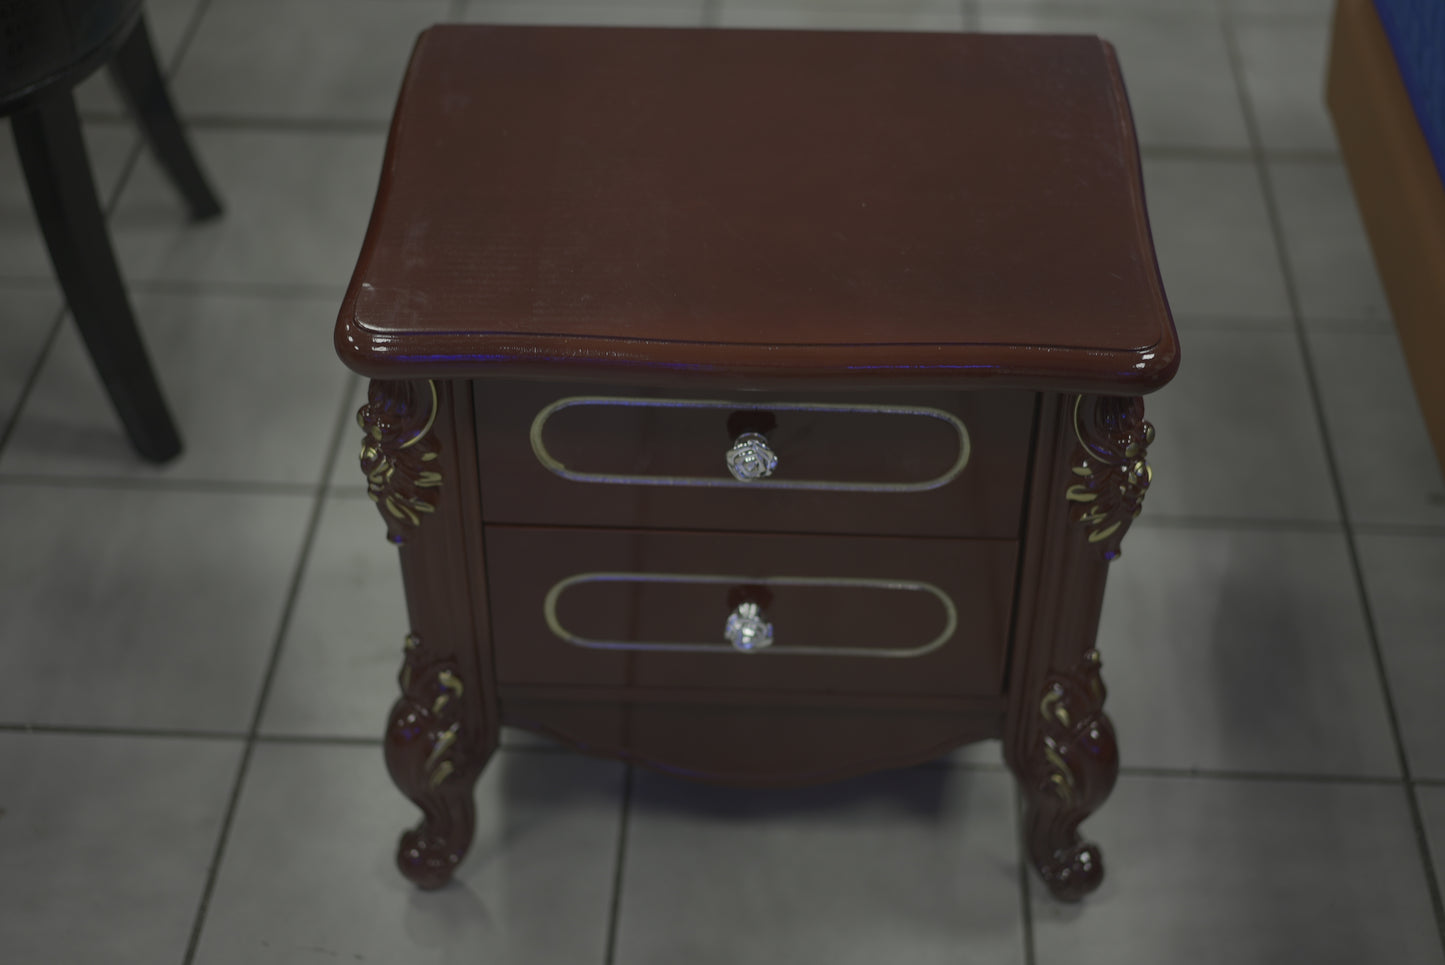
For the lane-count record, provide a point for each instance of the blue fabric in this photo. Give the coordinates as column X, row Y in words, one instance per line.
column 1416, row 29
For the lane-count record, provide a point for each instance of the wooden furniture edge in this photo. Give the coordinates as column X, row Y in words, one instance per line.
column 788, row 367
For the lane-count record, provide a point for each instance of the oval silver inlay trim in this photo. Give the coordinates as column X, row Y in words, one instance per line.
column 549, row 612
column 554, row 465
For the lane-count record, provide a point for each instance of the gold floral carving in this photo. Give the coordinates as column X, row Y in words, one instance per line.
column 431, row 704
column 1073, row 726
column 1072, row 764
column 1112, row 470
column 399, row 452
column 431, row 754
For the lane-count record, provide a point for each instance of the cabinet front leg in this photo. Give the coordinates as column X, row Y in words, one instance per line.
column 1089, row 484
column 1071, row 768
column 435, row 757
column 443, row 729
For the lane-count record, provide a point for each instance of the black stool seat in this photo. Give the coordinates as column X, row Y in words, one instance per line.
column 48, row 47
column 57, row 43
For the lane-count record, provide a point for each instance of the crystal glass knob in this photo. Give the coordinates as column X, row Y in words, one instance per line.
column 750, row 458
column 747, row 630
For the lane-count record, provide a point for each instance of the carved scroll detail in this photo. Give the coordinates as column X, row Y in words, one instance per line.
column 430, row 760
column 1112, row 470
column 1074, row 763
column 399, row 452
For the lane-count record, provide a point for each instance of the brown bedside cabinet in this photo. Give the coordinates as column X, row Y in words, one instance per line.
column 762, row 407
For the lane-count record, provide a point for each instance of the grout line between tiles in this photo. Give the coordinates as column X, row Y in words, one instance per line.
column 100, row 731
column 159, row 484
column 258, row 289
column 1196, row 773
column 319, row 740
column 1301, row 155
column 275, row 124
column 1327, row 325
column 189, row 35
column 33, row 375
column 346, row 740
column 1422, row 530
column 351, row 740
column 356, row 491
column 1144, row 8
column 1279, row 19
column 304, row 740
column 1172, row 152
column 1216, row 774
column 1272, row 210
column 271, row 123
column 1167, row 521
column 165, row 286
column 1249, row 324
column 1248, row 16
column 288, row 607
column 32, row 283
column 615, row 907
column 1240, row 326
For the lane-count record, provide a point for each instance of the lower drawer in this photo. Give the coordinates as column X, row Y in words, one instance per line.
column 819, row 614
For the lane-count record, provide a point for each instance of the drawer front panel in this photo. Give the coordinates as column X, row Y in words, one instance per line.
column 673, row 610
column 943, row 463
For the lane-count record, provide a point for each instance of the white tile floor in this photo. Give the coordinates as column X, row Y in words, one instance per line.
column 195, row 661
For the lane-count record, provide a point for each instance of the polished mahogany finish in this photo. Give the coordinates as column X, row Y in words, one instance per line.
column 752, row 742
column 758, row 407
column 445, row 725
column 873, row 598
column 1090, row 476
column 644, row 205
column 655, row 459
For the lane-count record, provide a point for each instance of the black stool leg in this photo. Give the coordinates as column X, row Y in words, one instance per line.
column 57, row 171
column 138, row 76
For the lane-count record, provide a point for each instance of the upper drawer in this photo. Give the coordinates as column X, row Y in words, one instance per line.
column 936, row 463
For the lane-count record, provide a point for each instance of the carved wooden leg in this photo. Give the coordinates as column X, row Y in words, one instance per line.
column 444, row 727
column 1072, row 768
column 1088, row 486
column 433, row 766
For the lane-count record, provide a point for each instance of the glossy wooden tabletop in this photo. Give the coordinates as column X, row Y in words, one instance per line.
column 861, row 207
